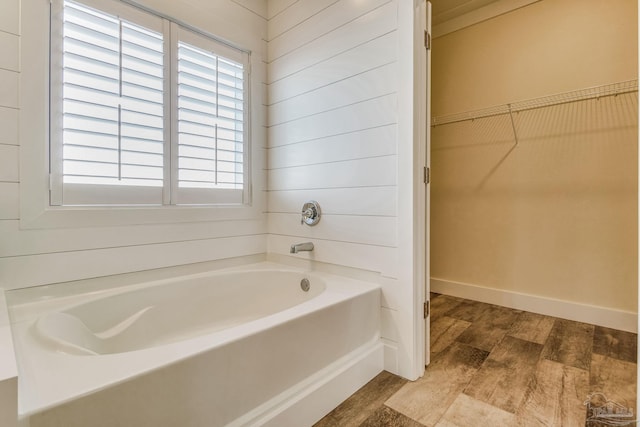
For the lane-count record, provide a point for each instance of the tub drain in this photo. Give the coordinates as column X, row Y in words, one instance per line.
column 305, row 285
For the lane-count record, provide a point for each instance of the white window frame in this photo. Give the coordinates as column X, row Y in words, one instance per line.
column 35, row 180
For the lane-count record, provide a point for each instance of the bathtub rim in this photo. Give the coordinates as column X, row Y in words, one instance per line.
column 45, row 299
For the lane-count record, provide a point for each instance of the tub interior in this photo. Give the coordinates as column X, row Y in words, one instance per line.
column 172, row 312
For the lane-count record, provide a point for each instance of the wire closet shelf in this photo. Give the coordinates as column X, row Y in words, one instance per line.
column 596, row 92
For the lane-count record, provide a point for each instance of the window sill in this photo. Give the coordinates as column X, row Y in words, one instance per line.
column 107, row 216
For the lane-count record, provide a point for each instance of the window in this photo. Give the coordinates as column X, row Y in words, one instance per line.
column 143, row 110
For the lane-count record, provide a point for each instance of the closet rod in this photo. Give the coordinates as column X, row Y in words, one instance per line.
column 612, row 89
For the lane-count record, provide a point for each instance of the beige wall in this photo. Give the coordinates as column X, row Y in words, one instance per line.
column 556, row 215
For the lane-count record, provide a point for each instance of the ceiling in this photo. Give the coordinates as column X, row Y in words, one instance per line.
column 444, row 10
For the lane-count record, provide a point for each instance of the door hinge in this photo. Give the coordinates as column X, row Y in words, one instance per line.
column 426, row 309
column 426, row 175
column 427, row 40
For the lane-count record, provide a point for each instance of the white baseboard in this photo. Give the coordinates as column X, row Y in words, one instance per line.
column 390, row 352
column 601, row 316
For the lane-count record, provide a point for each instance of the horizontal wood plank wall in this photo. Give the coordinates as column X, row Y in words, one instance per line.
column 9, row 74
column 36, row 257
column 332, row 133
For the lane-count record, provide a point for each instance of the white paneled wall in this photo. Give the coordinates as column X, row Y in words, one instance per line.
column 9, row 73
column 332, row 124
column 276, row 7
column 331, row 85
column 257, row 7
column 9, row 188
column 333, row 137
column 30, row 257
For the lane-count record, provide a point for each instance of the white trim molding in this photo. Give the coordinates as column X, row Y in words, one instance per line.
column 597, row 315
column 497, row 8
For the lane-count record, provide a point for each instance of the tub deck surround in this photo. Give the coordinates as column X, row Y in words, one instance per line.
column 111, row 348
column 8, row 369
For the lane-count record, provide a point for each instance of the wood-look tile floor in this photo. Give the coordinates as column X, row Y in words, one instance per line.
column 493, row 366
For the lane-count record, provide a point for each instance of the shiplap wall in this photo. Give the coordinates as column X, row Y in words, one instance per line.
column 332, row 87
column 9, row 71
column 36, row 257
column 333, row 138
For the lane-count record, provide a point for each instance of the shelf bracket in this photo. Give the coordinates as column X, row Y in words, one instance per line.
column 513, row 125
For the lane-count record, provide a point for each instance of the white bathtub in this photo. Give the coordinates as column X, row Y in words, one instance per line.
column 238, row 347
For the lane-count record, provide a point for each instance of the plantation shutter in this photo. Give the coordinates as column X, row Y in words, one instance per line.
column 143, row 111
column 111, row 123
column 211, row 109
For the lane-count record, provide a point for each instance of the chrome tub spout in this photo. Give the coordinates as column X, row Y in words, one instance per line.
column 299, row 247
